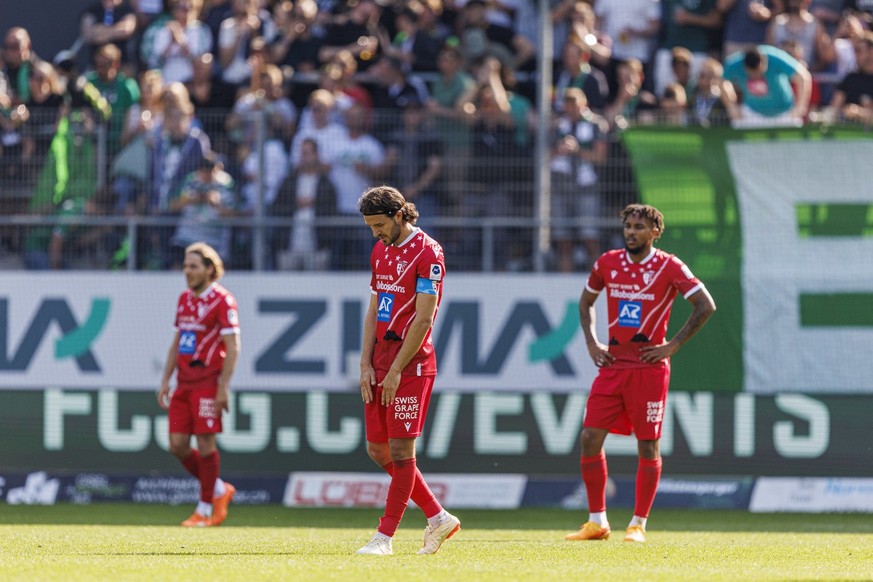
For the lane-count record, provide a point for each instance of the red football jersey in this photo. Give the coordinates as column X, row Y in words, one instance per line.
column 639, row 299
column 201, row 321
column 399, row 274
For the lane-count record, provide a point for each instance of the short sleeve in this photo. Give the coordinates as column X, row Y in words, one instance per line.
column 683, row 279
column 228, row 316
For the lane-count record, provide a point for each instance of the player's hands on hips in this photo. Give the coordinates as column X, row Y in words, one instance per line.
column 600, row 354
column 654, row 354
column 164, row 395
column 222, row 398
column 390, row 384
column 368, row 383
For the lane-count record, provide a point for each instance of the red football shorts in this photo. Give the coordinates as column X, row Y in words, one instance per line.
column 192, row 410
column 404, row 418
column 626, row 400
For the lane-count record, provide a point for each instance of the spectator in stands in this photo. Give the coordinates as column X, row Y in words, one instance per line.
column 448, row 92
column 356, row 32
column 306, row 195
column 109, row 21
column 584, row 28
column 206, row 197
column 632, row 102
column 797, row 24
column 179, row 41
column 673, row 106
column 853, row 99
column 576, row 71
column 327, row 133
column 266, row 98
column 415, row 158
column 764, row 76
column 178, row 149
column 680, row 65
column 746, row 23
column 414, row 48
column 213, row 14
column 480, row 38
column 714, row 101
column 17, row 63
column 578, row 146
column 296, row 45
column 119, row 90
column 330, row 79
column 494, row 161
column 245, row 23
column 795, row 49
column 356, row 162
column 632, row 25
column 44, row 110
column 346, row 83
column 693, row 24
column 130, row 168
column 848, row 36
column 393, row 91
column 431, row 21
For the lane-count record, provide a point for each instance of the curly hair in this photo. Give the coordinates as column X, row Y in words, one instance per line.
column 388, row 201
column 646, row 212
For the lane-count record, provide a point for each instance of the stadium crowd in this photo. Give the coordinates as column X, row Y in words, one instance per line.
column 198, row 116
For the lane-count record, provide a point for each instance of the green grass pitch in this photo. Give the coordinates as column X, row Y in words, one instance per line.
column 143, row 542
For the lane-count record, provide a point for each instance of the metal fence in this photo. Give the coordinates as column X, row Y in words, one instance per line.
column 73, row 197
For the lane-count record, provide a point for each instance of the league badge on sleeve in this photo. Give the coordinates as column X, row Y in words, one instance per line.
column 436, row 272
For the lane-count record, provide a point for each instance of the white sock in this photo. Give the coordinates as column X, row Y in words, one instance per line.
column 220, row 489
column 637, row 520
column 204, row 509
column 599, row 517
column 381, row 536
column 438, row 518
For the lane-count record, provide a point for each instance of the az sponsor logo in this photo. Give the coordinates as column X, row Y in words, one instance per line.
column 386, row 302
column 630, row 313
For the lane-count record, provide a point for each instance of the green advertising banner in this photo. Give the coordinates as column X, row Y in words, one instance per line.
column 275, row 433
column 779, row 225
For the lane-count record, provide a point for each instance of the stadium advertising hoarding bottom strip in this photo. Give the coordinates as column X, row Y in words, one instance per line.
column 461, row 491
column 273, row 433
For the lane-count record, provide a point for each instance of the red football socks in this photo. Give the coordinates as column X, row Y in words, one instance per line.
column 192, row 463
column 421, row 493
column 209, row 467
column 402, row 482
column 594, row 476
column 648, row 476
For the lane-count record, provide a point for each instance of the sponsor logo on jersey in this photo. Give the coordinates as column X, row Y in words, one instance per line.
column 380, row 286
column 232, row 317
column 386, row 303
column 630, row 313
column 625, row 294
column 187, row 342
column 436, row 272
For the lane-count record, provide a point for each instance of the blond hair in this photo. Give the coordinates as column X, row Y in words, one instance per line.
column 210, row 257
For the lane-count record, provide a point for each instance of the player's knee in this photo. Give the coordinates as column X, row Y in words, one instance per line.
column 592, row 442
column 181, row 450
column 379, row 453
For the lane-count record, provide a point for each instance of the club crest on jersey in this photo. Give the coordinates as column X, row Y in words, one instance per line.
column 386, row 303
column 630, row 313
column 613, row 273
column 201, row 309
column 436, row 272
column 401, row 266
column 648, row 276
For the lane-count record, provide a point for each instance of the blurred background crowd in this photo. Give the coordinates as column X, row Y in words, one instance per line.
column 254, row 125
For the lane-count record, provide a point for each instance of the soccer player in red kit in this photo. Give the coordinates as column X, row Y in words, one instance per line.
column 203, row 354
column 630, row 391
column 398, row 364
